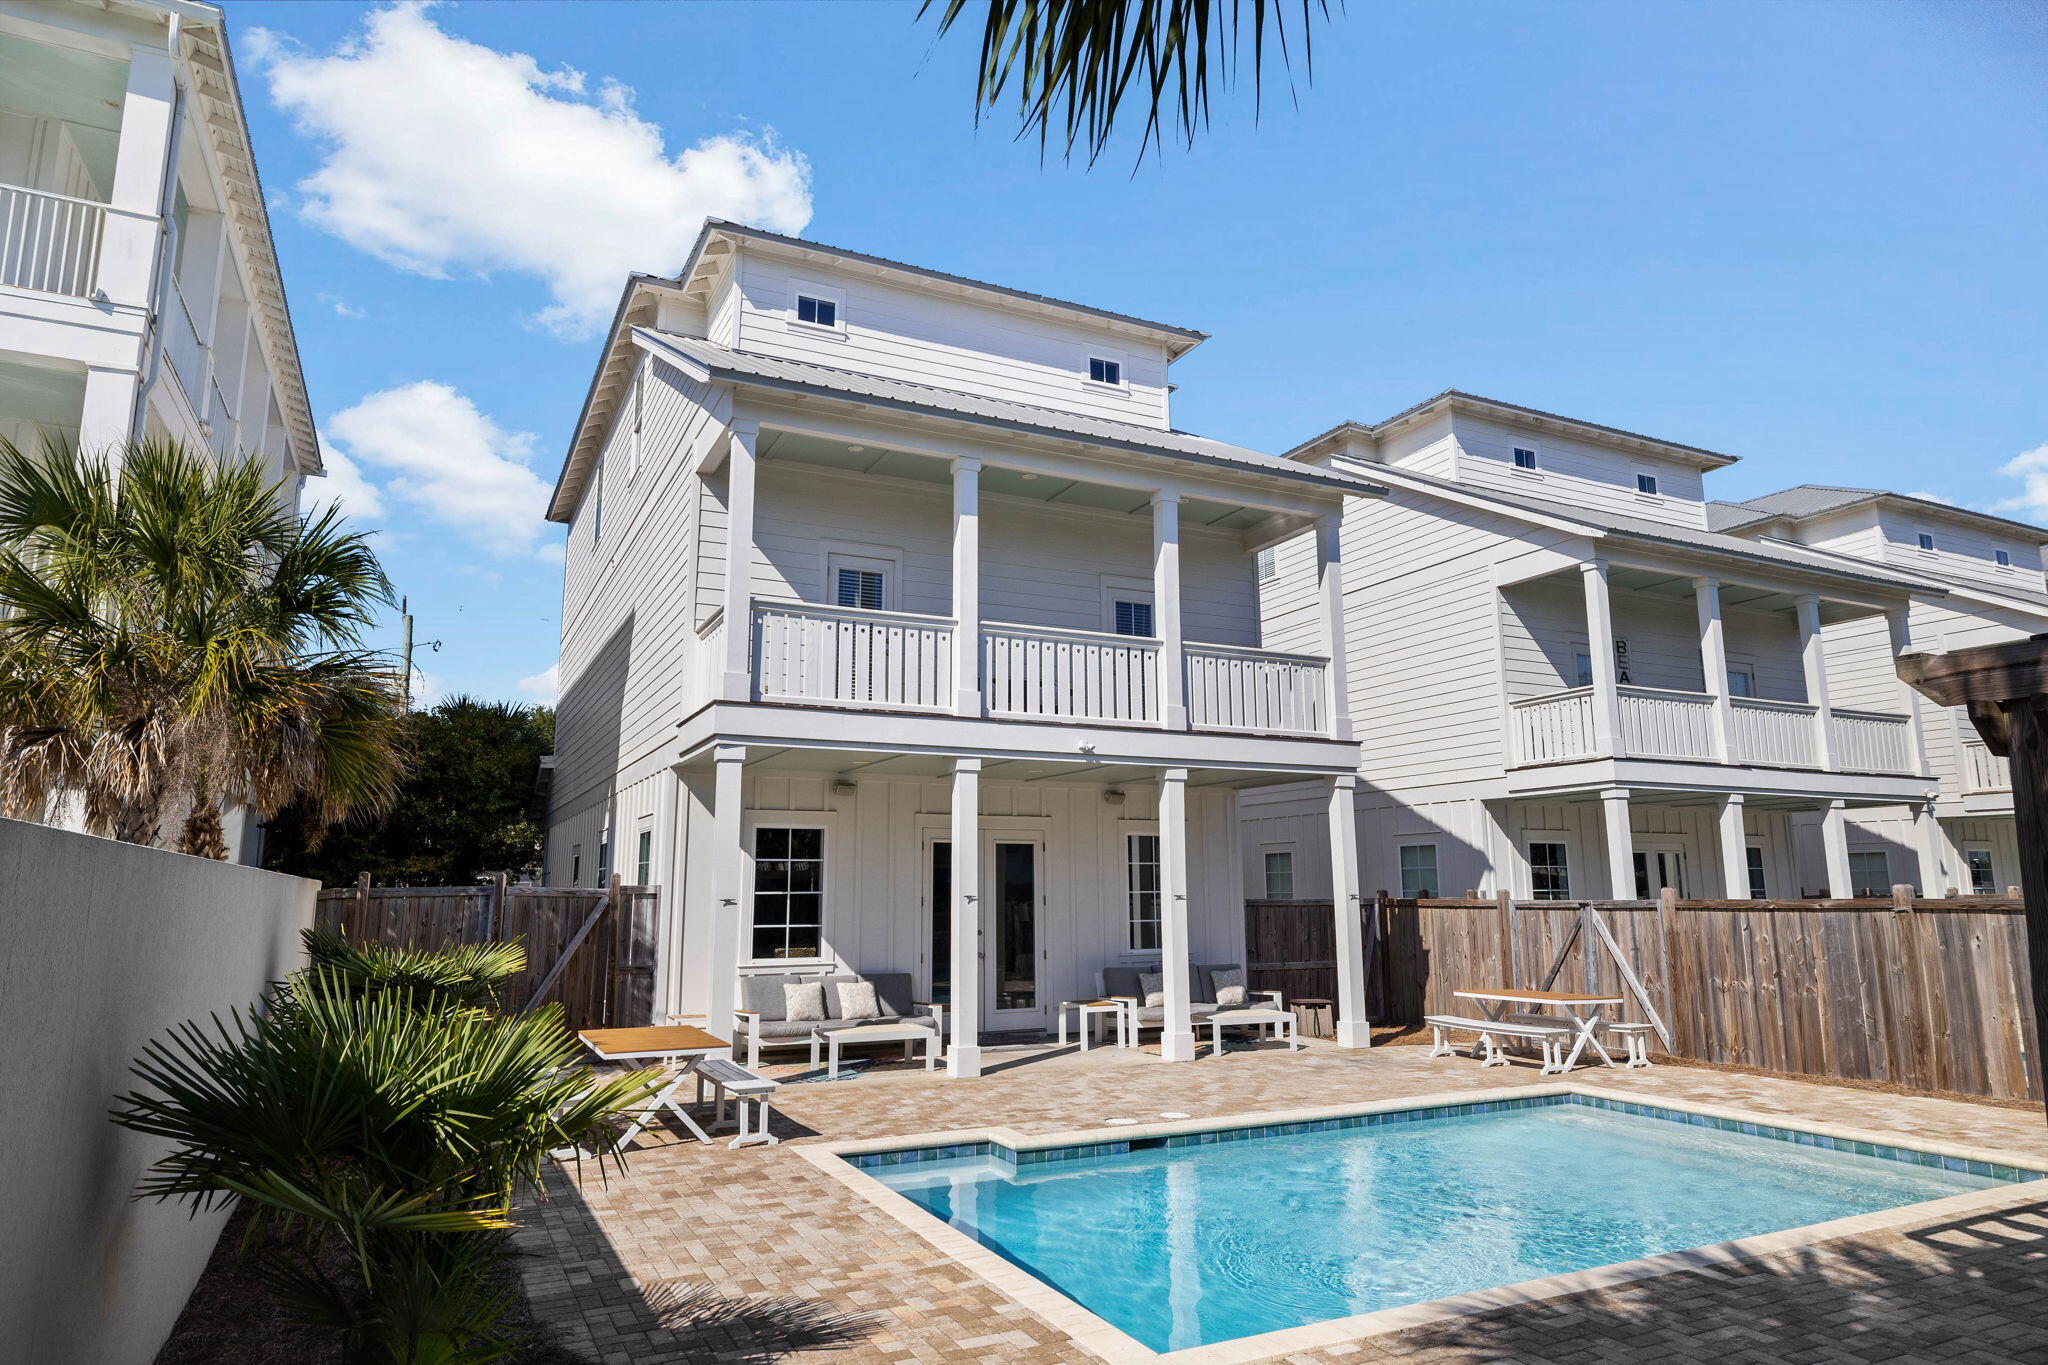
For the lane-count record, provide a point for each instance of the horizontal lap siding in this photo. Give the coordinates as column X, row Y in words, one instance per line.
column 1578, row 473
column 1290, row 615
column 1545, row 625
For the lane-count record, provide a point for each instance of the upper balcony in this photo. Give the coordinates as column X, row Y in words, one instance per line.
column 1665, row 724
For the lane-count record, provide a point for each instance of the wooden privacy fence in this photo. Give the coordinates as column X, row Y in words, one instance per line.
column 1923, row 994
column 592, row 950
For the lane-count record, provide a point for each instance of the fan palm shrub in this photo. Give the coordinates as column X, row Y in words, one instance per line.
column 469, row 974
column 173, row 637
column 395, row 1121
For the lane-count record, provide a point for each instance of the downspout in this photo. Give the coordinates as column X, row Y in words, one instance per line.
column 166, row 205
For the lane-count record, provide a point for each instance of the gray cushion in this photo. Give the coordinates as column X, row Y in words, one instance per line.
column 763, row 993
column 1120, row 981
column 799, row 1030
column 1205, row 985
column 892, row 992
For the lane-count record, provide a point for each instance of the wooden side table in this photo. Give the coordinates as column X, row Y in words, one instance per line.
column 1308, row 1005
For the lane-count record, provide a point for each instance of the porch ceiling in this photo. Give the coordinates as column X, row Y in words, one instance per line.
column 1645, row 581
column 858, row 763
column 864, row 458
column 1751, row 800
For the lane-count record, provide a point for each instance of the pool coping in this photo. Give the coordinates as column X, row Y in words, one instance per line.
column 1111, row 1344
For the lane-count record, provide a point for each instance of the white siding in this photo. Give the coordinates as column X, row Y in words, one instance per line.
column 1544, row 627
column 1961, row 552
column 1578, row 473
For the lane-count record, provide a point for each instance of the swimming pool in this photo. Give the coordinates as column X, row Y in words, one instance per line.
column 1194, row 1238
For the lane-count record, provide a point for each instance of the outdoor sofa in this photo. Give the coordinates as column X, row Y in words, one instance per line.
column 1113, row 982
column 762, row 1022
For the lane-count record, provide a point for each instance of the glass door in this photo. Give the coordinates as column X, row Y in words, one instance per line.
column 939, row 915
column 1010, row 920
column 1659, row 867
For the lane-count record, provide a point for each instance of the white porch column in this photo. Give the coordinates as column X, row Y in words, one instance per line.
column 1814, row 660
column 1173, row 677
column 108, row 414
column 1621, row 844
column 728, row 882
column 1503, row 859
column 1354, row 1029
column 134, row 223
column 966, row 585
column 1714, row 664
column 1600, row 644
column 963, row 1056
column 739, row 562
column 1330, row 582
column 1933, row 882
column 1734, row 849
column 1176, row 1034
column 1898, row 624
column 1834, row 848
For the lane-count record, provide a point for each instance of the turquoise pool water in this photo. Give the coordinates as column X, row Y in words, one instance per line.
column 1201, row 1238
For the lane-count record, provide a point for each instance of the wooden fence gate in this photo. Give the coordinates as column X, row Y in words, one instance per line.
column 592, row 950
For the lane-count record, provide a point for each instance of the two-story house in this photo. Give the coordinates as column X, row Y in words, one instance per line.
column 1991, row 568
column 902, row 632
column 139, row 289
column 1572, row 686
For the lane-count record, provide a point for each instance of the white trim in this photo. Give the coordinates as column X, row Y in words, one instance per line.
column 1436, row 858
column 837, row 867
column 1110, row 356
column 888, row 558
column 1527, row 841
column 824, row 293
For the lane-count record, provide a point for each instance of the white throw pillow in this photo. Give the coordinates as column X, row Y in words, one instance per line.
column 1151, row 986
column 1230, row 987
column 804, row 1001
column 857, row 1000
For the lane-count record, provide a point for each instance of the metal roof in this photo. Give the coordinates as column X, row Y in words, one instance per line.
column 1708, row 459
column 1816, row 499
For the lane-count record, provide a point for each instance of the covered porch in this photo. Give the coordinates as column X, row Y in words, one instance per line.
column 1002, row 881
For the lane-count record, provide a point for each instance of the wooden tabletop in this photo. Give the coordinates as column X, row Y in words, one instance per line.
column 669, row 1041
column 1547, row 997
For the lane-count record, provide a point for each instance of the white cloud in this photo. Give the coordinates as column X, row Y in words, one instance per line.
column 447, row 462
column 1928, row 495
column 2030, row 467
column 542, row 687
column 442, row 156
column 343, row 488
column 426, row 688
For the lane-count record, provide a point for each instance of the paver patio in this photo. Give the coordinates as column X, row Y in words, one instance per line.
column 705, row 1254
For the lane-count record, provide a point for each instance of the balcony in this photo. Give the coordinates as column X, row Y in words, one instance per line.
column 1561, row 727
column 49, row 242
column 902, row 661
column 1984, row 771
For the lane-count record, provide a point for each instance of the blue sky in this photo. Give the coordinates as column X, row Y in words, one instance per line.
column 1813, row 235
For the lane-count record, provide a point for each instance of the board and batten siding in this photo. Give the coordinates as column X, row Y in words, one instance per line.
column 897, row 331
column 1577, row 473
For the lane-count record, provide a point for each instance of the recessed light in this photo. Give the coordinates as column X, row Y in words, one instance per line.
column 1030, row 476
column 856, row 449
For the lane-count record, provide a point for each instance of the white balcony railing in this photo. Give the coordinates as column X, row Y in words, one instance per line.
column 1777, row 733
column 1984, row 771
column 49, row 241
column 1252, row 689
column 1871, row 742
column 226, row 433
column 1043, row 671
column 186, row 351
column 1659, row 723
column 885, row 659
column 1554, row 728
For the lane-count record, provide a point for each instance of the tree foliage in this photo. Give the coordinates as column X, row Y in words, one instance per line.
column 460, row 814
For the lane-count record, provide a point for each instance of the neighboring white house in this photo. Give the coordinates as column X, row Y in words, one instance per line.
column 1992, row 568
column 1569, row 685
column 139, row 290
column 902, row 632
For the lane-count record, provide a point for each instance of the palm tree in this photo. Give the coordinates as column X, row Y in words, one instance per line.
column 1074, row 62
column 172, row 637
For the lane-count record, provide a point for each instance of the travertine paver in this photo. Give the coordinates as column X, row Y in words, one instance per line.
column 705, row 1254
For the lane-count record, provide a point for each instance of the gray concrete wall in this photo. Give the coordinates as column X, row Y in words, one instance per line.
column 103, row 946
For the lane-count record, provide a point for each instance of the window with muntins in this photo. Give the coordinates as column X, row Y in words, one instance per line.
column 1418, row 871
column 789, row 892
column 1983, row 877
column 1741, row 682
column 1753, row 862
column 2003, row 558
column 1646, row 483
column 1105, row 371
column 1550, row 877
column 1134, row 618
column 1141, row 890
column 643, row 859
column 860, row 588
column 1525, row 458
column 1268, row 562
column 1924, row 540
column 1280, row 876
column 817, row 312
column 1869, row 875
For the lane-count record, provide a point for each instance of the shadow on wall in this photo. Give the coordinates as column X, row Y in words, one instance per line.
column 590, row 716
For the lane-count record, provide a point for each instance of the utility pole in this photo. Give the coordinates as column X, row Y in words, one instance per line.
column 405, row 618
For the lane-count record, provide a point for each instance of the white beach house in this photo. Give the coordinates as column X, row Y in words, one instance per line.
column 903, row 633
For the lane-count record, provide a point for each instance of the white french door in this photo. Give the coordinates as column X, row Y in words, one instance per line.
column 1659, row 866
column 1013, row 930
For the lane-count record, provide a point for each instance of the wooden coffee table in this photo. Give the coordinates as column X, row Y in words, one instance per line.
column 907, row 1034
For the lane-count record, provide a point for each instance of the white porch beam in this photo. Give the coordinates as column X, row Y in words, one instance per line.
column 1330, row 601
column 966, row 586
column 1734, row 848
column 1600, row 644
column 1621, row 847
column 1927, row 836
column 1813, row 659
column 1173, row 678
column 129, row 241
column 1176, row 1033
column 728, row 882
column 963, row 1056
column 1834, row 847
column 1898, row 623
column 739, row 561
column 1714, row 664
column 1354, row 1029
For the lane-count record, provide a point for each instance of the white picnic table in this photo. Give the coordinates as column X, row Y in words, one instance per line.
column 1582, row 1010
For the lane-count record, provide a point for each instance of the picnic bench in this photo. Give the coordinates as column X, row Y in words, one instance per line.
column 1551, row 1037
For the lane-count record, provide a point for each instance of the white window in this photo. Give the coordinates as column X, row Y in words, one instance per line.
column 1925, row 540
column 597, row 502
column 633, row 456
column 1105, row 371
column 1582, row 670
column 2003, row 558
column 1646, row 483
column 1550, row 877
column 643, row 852
column 859, row 588
column 1869, row 874
column 789, row 892
column 816, row 311
column 1131, row 618
column 1741, row 682
column 1280, row 875
column 1753, row 863
column 1525, row 458
column 865, row 581
column 1141, row 890
column 1983, row 875
column 604, row 860
column 1418, row 871
column 1268, row 562
column 575, row 864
